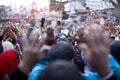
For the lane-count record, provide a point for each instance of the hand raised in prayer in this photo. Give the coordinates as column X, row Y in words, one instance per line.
column 31, row 52
column 96, row 48
column 117, row 6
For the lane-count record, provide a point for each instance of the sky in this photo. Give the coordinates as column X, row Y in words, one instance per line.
column 12, row 2
column 26, row 3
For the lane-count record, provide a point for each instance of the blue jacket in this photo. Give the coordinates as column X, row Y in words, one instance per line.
column 87, row 76
column 38, row 68
column 112, row 64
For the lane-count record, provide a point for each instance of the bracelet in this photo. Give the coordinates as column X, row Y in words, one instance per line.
column 108, row 76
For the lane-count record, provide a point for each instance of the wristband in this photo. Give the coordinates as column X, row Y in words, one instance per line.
column 108, row 76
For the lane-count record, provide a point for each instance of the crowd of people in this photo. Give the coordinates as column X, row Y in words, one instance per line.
column 68, row 51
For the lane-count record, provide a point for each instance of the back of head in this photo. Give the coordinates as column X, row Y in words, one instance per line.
column 7, row 46
column 61, row 51
column 60, row 70
column 42, row 22
column 58, row 23
column 115, row 50
column 50, row 37
column 8, row 62
column 32, row 22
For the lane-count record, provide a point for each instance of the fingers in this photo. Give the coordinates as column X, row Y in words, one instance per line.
column 25, row 41
column 32, row 42
column 114, row 4
column 96, row 37
column 106, row 39
column 45, row 48
column 89, row 37
column 34, row 38
column 19, row 49
column 118, row 1
column 85, row 47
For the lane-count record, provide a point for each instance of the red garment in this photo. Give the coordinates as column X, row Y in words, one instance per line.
column 8, row 62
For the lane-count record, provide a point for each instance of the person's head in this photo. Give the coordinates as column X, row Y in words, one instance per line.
column 7, row 46
column 42, row 38
column 42, row 22
column 115, row 50
column 60, row 70
column 8, row 62
column 50, row 39
column 113, row 31
column 61, row 51
column 58, row 23
column 32, row 23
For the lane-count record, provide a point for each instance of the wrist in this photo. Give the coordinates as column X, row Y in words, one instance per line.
column 104, row 72
column 24, row 68
column 108, row 76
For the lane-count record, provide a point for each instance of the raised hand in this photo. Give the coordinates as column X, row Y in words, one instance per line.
column 96, row 47
column 117, row 6
column 6, row 28
column 31, row 53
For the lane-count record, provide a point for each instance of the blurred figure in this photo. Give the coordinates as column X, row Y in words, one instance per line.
column 115, row 50
column 60, row 70
column 1, row 47
column 9, row 60
column 58, row 51
column 42, row 22
column 59, row 26
column 50, row 39
column 7, row 45
column 31, row 28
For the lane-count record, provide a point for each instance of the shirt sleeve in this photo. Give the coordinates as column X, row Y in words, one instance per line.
column 16, row 75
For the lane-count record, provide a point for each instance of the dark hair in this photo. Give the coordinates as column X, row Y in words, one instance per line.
column 32, row 22
column 61, row 51
column 115, row 50
column 42, row 22
column 58, row 23
column 60, row 70
column 50, row 37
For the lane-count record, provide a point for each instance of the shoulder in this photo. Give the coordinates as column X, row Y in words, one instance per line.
column 36, row 71
column 113, row 63
column 90, row 76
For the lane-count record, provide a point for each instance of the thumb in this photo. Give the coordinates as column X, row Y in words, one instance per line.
column 43, row 51
column 45, row 48
column 86, row 49
column 113, row 3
